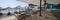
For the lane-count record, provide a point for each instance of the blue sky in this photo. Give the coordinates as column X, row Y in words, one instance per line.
column 11, row 3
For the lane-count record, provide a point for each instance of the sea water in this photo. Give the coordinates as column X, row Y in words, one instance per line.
column 5, row 11
column 11, row 10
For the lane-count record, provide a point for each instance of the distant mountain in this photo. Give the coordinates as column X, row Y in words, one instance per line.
column 5, row 8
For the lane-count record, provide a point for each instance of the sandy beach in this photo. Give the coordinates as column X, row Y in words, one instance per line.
column 45, row 16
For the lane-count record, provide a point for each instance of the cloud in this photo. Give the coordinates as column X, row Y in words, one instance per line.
column 11, row 3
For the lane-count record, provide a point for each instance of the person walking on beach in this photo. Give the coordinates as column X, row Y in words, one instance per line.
column 8, row 10
column 0, row 9
column 19, row 8
column 0, row 12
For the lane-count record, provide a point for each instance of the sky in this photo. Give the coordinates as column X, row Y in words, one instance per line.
column 12, row 3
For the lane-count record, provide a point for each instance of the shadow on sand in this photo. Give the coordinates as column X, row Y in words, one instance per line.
column 56, row 13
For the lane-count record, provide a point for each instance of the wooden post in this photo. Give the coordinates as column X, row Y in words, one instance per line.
column 40, row 7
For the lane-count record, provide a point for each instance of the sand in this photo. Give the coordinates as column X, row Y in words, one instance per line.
column 45, row 16
column 9, row 18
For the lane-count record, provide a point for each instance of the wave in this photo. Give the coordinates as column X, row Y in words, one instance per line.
column 11, row 10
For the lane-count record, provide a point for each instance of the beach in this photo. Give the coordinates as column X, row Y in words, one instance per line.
column 45, row 16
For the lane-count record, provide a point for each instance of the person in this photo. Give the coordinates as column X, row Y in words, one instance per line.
column 1, row 14
column 16, row 12
column 8, row 13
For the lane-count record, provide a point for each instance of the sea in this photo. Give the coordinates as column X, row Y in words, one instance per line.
column 11, row 10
